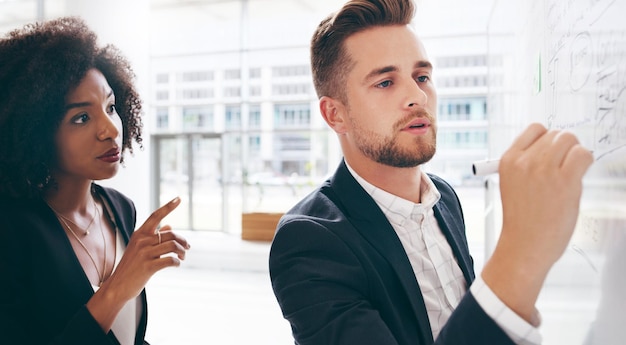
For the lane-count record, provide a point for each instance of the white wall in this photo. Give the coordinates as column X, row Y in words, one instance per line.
column 125, row 24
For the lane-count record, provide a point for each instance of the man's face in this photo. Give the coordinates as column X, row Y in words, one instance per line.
column 391, row 100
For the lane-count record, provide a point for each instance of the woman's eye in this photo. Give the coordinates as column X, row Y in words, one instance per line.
column 384, row 84
column 82, row 118
column 112, row 109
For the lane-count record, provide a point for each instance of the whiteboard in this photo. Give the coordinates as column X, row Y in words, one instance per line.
column 563, row 63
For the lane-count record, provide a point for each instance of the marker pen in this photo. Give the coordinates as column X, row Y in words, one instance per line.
column 486, row 167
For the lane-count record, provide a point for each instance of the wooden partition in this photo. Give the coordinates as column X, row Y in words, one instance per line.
column 259, row 226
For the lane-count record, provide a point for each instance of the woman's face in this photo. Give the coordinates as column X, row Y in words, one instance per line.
column 89, row 138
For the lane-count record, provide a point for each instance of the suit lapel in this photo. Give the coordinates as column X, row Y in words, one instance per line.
column 126, row 226
column 452, row 226
column 122, row 222
column 371, row 223
column 58, row 246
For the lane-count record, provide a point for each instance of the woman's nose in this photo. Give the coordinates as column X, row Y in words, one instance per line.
column 109, row 128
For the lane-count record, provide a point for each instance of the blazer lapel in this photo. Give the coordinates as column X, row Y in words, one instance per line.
column 123, row 223
column 452, row 226
column 126, row 226
column 54, row 236
column 365, row 215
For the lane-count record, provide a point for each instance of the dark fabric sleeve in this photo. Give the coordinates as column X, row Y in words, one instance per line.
column 322, row 291
column 320, row 286
column 29, row 295
column 470, row 325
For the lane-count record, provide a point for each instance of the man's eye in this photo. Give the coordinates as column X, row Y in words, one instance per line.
column 423, row 78
column 384, row 84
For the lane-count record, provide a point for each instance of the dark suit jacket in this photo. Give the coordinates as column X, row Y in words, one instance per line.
column 43, row 288
column 341, row 275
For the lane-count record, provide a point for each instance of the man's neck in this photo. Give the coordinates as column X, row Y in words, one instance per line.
column 402, row 182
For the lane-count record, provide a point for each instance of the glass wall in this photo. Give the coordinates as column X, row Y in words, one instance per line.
column 225, row 97
column 190, row 166
column 218, row 183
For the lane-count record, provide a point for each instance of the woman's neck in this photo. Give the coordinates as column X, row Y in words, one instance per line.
column 66, row 197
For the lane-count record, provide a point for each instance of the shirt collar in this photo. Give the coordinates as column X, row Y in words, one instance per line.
column 396, row 208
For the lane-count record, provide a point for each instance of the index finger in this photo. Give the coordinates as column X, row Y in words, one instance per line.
column 533, row 132
column 157, row 216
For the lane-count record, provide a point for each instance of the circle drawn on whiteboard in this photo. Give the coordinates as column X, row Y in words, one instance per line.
column 581, row 61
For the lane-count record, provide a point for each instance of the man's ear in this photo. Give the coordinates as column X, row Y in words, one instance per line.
column 333, row 111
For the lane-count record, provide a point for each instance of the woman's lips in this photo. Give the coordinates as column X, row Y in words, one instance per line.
column 111, row 156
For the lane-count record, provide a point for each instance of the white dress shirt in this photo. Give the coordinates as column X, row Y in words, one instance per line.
column 436, row 270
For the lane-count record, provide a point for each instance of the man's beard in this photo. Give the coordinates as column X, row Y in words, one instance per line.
column 386, row 149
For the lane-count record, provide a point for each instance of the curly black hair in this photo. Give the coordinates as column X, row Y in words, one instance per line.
column 39, row 64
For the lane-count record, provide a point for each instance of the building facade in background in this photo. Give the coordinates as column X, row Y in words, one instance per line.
column 232, row 119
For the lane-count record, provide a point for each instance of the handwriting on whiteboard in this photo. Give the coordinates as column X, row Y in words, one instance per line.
column 586, row 73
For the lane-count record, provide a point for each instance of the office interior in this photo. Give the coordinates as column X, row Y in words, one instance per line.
column 232, row 126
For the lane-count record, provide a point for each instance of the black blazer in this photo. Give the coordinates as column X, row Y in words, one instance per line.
column 341, row 275
column 43, row 289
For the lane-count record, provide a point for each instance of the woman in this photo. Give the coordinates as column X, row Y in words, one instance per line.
column 71, row 271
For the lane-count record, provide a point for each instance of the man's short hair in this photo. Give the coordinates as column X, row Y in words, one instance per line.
column 330, row 62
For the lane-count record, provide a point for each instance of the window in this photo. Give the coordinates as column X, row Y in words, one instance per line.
column 294, row 142
column 462, row 61
column 198, row 117
column 290, row 71
column 291, row 89
column 233, row 117
column 462, row 139
column 162, row 95
column 233, row 91
column 462, row 81
column 254, row 142
column 293, row 169
column 255, row 90
column 255, row 73
column 292, row 115
column 162, row 117
column 462, row 109
column 232, row 74
column 197, row 93
column 254, row 119
column 162, row 78
column 196, row 76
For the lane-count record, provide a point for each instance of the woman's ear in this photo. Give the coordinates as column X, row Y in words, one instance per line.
column 333, row 112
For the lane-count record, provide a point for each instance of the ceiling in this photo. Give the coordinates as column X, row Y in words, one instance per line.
column 15, row 13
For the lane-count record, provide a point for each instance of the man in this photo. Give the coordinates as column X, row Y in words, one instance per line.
column 378, row 254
